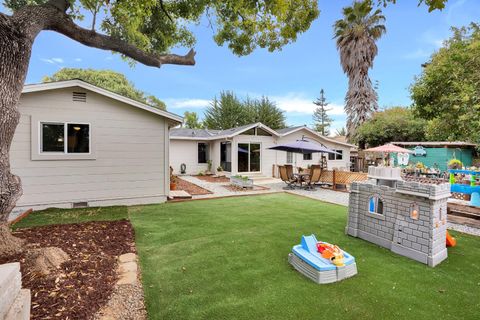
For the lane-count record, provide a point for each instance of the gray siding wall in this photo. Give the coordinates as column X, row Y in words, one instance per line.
column 128, row 159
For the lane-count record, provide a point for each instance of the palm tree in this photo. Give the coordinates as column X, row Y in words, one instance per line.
column 356, row 35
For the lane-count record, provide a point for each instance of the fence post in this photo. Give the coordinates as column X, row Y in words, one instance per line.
column 334, row 181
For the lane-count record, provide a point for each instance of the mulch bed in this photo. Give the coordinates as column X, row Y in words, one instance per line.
column 191, row 188
column 85, row 282
column 236, row 188
column 213, row 179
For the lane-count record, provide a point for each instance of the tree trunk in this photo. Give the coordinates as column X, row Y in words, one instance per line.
column 15, row 50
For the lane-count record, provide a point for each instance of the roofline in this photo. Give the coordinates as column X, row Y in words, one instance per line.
column 436, row 143
column 319, row 135
column 228, row 136
column 80, row 83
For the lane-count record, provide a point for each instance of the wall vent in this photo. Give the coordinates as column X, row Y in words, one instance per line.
column 80, row 204
column 79, row 96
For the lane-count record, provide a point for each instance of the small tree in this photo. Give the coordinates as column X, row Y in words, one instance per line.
column 107, row 79
column 191, row 120
column 320, row 116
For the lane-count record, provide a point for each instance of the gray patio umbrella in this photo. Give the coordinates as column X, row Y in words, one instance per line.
column 304, row 147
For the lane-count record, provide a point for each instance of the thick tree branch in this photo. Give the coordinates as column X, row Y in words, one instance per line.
column 62, row 23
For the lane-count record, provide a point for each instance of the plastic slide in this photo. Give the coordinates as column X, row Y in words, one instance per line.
column 451, row 241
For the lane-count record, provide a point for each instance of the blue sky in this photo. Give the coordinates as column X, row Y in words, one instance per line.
column 292, row 77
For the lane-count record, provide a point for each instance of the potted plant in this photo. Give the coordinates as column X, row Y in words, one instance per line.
column 242, row 182
column 220, row 172
column 173, row 182
column 455, row 164
column 209, row 167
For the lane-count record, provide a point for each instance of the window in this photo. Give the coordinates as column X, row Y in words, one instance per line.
column 307, row 156
column 289, row 157
column 66, row 138
column 337, row 156
column 414, row 211
column 375, row 205
column 202, row 152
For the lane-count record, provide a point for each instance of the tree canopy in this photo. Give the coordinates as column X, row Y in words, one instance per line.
column 393, row 124
column 447, row 91
column 191, row 121
column 107, row 79
column 152, row 27
column 229, row 111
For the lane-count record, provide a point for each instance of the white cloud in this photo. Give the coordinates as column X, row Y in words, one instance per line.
column 186, row 103
column 53, row 60
column 418, row 54
column 78, row 59
column 298, row 103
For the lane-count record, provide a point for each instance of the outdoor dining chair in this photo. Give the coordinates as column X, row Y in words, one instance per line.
column 289, row 180
column 314, row 177
column 289, row 171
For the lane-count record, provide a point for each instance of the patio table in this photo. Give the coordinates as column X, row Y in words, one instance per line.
column 301, row 177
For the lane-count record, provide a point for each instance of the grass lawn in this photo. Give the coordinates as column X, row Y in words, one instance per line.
column 227, row 259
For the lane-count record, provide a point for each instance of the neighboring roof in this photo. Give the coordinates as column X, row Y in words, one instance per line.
column 437, row 143
column 206, row 134
column 85, row 85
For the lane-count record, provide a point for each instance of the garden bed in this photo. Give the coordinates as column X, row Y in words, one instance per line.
column 214, row 179
column 191, row 188
column 84, row 283
column 235, row 188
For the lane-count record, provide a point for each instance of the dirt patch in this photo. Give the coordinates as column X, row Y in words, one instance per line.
column 191, row 188
column 213, row 179
column 236, row 188
column 82, row 285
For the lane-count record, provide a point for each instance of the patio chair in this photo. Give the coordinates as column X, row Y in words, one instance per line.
column 290, row 181
column 289, row 171
column 314, row 177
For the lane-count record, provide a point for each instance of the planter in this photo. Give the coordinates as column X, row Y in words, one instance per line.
column 241, row 182
column 173, row 186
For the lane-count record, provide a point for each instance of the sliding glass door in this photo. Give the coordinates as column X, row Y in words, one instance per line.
column 249, row 157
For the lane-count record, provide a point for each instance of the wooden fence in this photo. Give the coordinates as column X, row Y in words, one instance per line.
column 334, row 177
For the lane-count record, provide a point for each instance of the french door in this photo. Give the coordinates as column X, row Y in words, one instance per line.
column 249, row 157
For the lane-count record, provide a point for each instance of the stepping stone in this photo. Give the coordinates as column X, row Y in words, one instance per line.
column 127, row 278
column 127, row 257
column 128, row 267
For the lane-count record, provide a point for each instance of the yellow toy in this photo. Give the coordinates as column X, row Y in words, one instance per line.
column 331, row 252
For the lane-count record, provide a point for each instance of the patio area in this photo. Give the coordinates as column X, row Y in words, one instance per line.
column 264, row 186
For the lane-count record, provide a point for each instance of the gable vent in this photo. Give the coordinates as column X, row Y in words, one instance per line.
column 79, row 96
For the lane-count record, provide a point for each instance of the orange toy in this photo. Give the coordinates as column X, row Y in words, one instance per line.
column 331, row 252
column 451, row 241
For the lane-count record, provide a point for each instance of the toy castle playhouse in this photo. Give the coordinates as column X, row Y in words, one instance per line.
column 407, row 217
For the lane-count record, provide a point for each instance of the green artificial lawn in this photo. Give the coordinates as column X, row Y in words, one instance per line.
column 227, row 259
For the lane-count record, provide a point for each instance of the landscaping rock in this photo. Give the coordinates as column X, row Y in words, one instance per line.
column 128, row 267
column 127, row 278
column 127, row 257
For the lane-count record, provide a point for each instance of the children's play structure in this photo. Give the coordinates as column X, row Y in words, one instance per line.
column 472, row 189
column 322, row 262
column 407, row 217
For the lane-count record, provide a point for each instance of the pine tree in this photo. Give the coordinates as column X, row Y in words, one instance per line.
column 320, row 116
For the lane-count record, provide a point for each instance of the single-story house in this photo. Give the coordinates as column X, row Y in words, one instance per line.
column 439, row 153
column 245, row 150
column 80, row 145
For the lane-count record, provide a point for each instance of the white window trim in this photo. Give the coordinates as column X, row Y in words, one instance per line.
column 208, row 153
column 36, row 141
column 261, row 155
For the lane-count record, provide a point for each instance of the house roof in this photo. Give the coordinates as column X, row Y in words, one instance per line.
column 437, row 143
column 205, row 134
column 88, row 86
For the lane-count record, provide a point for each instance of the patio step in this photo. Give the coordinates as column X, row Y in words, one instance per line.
column 179, row 194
